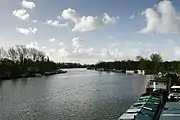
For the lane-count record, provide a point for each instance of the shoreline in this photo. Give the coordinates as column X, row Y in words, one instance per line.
column 128, row 72
column 59, row 71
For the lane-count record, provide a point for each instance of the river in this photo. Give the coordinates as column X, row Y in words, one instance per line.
column 78, row 95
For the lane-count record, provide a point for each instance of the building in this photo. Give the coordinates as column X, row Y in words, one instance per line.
column 160, row 84
column 153, row 85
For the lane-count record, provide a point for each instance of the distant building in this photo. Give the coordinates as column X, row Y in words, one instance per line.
column 160, row 84
column 153, row 85
column 141, row 72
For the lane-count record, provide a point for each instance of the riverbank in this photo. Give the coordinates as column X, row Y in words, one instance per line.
column 139, row 72
column 31, row 74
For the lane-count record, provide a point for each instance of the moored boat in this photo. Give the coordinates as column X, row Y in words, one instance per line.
column 171, row 110
column 147, row 107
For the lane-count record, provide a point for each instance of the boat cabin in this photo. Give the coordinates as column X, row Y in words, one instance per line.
column 160, row 84
column 174, row 93
column 154, row 85
column 172, row 108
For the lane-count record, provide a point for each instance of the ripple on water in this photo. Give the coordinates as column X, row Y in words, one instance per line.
column 79, row 95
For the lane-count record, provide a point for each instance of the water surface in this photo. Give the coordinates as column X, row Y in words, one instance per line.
column 78, row 95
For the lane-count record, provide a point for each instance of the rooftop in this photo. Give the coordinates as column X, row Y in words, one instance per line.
column 171, row 111
column 160, row 80
column 175, row 86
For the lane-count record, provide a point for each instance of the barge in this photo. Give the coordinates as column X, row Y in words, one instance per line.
column 147, row 107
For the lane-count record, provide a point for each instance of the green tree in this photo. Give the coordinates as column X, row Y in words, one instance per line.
column 156, row 60
column 138, row 58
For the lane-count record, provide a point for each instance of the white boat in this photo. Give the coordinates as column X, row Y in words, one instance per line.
column 174, row 93
column 129, row 71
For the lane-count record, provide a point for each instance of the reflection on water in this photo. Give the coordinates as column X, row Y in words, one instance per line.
column 78, row 95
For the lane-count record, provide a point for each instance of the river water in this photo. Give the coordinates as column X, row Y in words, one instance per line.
column 78, row 95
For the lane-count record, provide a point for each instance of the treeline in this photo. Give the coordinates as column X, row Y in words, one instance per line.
column 21, row 61
column 71, row 65
column 154, row 64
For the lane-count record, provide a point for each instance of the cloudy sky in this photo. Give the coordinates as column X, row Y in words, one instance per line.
column 87, row 31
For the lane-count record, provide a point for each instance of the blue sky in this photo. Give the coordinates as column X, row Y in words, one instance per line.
column 88, row 31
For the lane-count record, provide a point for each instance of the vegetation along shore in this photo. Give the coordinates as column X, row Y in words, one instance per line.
column 152, row 65
column 20, row 61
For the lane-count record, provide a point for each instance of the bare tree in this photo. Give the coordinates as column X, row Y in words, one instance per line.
column 34, row 54
column 12, row 54
column 138, row 58
column 21, row 52
column 24, row 52
column 41, row 56
column 3, row 53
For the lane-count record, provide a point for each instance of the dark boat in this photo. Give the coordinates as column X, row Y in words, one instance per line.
column 54, row 72
column 148, row 107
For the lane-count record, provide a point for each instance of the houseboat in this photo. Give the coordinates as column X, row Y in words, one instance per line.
column 174, row 93
column 148, row 107
column 171, row 110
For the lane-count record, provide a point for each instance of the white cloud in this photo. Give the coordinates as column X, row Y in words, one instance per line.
column 48, row 51
column 110, row 37
column 86, row 54
column 80, row 52
column 70, row 14
column 28, row 4
column 177, row 51
column 34, row 21
column 106, row 20
column 59, row 17
column 90, row 50
column 52, row 39
column 132, row 16
column 162, row 19
column 23, row 30
column 76, row 52
column 27, row 31
column 43, row 47
column 90, row 23
column 33, row 45
column 61, row 44
column 21, row 13
column 33, row 30
column 63, row 53
column 56, row 23
column 77, row 42
column 87, row 23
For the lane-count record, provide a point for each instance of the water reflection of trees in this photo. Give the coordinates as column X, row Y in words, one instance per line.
column 14, row 81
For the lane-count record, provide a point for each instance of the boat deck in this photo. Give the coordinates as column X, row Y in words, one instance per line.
column 171, row 111
column 146, row 108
